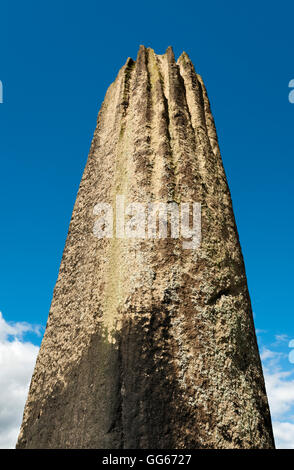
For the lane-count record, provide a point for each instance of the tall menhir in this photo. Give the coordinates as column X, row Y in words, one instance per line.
column 149, row 345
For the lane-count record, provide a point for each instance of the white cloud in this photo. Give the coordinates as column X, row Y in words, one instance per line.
column 259, row 331
column 284, row 434
column 280, row 391
column 16, row 330
column 281, row 338
column 268, row 354
column 17, row 360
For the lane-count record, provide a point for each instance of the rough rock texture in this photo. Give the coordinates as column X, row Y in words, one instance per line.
column 149, row 345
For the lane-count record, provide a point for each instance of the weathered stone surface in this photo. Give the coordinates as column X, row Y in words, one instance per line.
column 149, row 345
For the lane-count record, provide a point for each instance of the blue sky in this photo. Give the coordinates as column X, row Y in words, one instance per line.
column 56, row 62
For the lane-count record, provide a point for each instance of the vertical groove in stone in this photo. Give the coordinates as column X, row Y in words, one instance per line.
column 181, row 132
column 148, row 345
column 162, row 178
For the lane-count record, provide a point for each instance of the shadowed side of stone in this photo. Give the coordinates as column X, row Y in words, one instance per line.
column 147, row 344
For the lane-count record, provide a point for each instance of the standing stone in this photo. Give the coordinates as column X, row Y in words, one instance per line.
column 147, row 344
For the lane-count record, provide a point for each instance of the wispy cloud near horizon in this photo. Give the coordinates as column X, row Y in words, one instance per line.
column 17, row 360
column 279, row 380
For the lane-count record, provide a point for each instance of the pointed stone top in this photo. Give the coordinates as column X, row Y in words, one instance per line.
column 184, row 57
column 169, row 52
